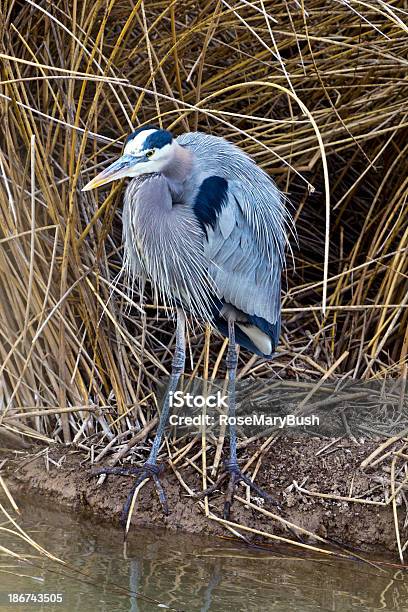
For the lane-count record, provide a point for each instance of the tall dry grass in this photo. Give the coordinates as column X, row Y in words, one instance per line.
column 301, row 87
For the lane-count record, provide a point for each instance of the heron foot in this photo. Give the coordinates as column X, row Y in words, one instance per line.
column 148, row 470
column 233, row 471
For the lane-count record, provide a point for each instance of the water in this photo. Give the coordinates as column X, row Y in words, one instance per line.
column 183, row 572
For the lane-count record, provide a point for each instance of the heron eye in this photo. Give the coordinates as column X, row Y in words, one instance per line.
column 150, row 153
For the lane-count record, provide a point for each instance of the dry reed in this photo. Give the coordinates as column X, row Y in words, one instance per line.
column 315, row 92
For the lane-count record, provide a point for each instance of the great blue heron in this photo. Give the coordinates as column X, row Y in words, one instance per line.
column 207, row 227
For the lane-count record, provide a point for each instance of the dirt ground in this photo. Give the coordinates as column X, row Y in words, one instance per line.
column 63, row 475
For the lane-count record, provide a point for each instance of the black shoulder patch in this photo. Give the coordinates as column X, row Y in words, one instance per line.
column 210, row 199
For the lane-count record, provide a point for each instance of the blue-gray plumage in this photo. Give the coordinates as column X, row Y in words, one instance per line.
column 212, row 240
column 207, row 227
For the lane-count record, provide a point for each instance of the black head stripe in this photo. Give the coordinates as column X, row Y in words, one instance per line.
column 138, row 131
column 156, row 140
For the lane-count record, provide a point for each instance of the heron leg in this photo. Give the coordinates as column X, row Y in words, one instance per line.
column 151, row 469
column 177, row 369
column 231, row 466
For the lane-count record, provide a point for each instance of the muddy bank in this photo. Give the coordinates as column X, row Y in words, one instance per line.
column 63, row 476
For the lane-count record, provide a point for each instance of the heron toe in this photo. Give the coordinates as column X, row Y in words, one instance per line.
column 148, row 470
column 236, row 476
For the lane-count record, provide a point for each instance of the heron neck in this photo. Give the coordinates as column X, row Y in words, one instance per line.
column 179, row 168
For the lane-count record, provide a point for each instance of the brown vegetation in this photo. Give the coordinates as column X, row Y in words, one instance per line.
column 315, row 92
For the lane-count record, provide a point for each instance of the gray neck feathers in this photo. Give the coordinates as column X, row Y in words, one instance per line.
column 178, row 169
column 163, row 242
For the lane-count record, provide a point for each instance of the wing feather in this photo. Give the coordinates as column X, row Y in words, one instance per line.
column 244, row 275
column 246, row 246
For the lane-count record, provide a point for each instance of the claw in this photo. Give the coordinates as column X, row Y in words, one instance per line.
column 161, row 494
column 148, row 470
column 235, row 477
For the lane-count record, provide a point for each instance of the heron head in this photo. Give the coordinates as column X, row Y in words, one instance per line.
column 147, row 150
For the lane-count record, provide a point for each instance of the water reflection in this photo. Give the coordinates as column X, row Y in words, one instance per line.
column 185, row 573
